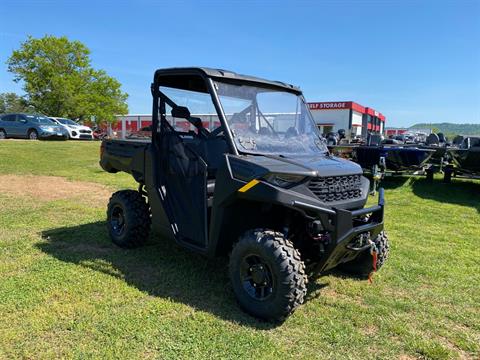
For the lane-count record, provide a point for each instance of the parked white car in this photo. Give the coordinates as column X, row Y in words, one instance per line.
column 75, row 130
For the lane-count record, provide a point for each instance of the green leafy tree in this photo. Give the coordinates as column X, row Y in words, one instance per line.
column 11, row 102
column 58, row 80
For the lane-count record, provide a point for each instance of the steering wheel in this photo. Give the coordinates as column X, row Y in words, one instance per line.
column 217, row 131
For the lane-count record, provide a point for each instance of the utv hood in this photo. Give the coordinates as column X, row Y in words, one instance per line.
column 247, row 167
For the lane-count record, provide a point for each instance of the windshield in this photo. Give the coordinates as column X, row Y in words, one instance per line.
column 67, row 121
column 39, row 119
column 267, row 121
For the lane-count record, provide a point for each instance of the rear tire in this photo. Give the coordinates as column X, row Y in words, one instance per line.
column 3, row 134
column 267, row 275
column 362, row 265
column 128, row 219
column 32, row 134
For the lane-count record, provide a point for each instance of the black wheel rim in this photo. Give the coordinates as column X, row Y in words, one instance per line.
column 117, row 220
column 256, row 277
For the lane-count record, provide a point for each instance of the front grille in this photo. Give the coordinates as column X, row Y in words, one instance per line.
column 85, row 131
column 336, row 188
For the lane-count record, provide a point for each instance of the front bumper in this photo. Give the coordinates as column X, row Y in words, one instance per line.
column 76, row 134
column 344, row 227
column 85, row 137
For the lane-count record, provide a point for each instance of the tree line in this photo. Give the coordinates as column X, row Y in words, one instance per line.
column 450, row 129
column 58, row 80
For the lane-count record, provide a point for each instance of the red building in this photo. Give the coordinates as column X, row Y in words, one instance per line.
column 395, row 131
column 355, row 119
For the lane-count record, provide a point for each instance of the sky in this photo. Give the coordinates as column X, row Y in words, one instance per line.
column 413, row 61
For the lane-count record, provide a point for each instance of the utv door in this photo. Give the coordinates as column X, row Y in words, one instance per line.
column 183, row 186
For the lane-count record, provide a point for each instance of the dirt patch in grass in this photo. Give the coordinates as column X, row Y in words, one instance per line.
column 49, row 188
column 407, row 357
column 369, row 330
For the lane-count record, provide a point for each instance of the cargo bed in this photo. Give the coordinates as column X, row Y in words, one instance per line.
column 125, row 155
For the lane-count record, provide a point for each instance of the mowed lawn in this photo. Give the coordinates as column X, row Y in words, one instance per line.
column 67, row 292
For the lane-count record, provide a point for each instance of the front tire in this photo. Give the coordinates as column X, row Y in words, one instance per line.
column 362, row 265
column 3, row 134
column 267, row 275
column 128, row 218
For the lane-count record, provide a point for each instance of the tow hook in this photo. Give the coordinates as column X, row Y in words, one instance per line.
column 315, row 229
column 362, row 243
column 374, row 253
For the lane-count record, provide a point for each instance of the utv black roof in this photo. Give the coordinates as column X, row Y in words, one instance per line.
column 222, row 74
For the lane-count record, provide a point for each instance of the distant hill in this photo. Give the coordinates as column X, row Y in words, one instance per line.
column 450, row 129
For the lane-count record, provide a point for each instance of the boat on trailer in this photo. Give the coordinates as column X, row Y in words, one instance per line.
column 393, row 158
column 379, row 160
column 464, row 159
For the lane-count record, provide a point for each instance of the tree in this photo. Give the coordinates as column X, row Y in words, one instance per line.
column 58, row 80
column 11, row 102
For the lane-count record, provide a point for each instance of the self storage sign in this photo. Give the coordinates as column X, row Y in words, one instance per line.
column 328, row 105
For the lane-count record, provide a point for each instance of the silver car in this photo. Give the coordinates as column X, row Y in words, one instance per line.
column 30, row 126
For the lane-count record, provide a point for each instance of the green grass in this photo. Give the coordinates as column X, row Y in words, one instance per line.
column 67, row 292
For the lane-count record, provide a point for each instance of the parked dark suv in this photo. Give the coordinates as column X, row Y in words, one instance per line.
column 30, row 126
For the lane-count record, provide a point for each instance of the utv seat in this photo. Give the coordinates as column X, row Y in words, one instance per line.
column 264, row 131
column 291, row 132
column 212, row 151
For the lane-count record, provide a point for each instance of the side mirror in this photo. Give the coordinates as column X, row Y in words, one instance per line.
column 23, row 121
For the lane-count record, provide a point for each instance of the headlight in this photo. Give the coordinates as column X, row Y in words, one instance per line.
column 47, row 128
column 284, row 180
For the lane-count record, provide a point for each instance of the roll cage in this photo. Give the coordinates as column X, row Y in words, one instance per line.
column 201, row 80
